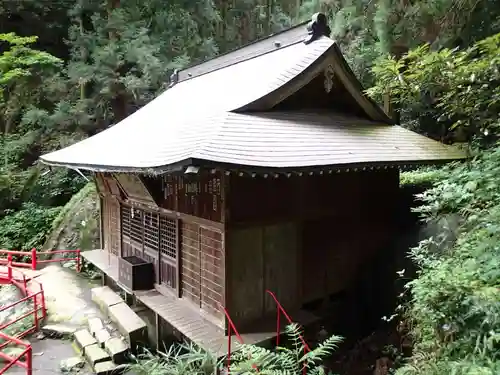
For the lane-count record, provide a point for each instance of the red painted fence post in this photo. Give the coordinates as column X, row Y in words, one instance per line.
column 42, row 294
column 29, row 361
column 35, row 308
column 9, row 267
column 78, row 261
column 33, row 259
column 229, row 350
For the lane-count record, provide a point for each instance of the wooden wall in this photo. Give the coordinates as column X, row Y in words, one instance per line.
column 110, row 211
column 260, row 258
column 258, row 199
column 140, row 218
column 303, row 237
column 200, row 195
column 203, row 268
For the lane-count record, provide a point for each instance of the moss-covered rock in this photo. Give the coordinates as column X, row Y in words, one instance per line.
column 77, row 225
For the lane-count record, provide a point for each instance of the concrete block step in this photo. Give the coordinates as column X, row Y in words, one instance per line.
column 83, row 339
column 94, row 354
column 108, row 368
column 102, row 336
column 59, row 330
column 129, row 324
column 95, row 325
column 118, row 349
column 104, row 297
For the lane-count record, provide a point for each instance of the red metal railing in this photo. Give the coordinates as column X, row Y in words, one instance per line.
column 34, row 257
column 17, row 360
column 231, row 329
column 279, row 311
column 19, row 279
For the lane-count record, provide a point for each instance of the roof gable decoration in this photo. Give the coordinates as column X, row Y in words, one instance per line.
column 329, row 78
column 317, row 27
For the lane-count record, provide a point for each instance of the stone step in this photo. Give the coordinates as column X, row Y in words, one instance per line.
column 104, row 297
column 83, row 339
column 73, row 364
column 94, row 354
column 102, row 336
column 59, row 330
column 118, row 349
column 107, row 368
column 95, row 325
column 129, row 324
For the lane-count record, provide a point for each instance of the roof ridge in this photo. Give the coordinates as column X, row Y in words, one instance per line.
column 185, row 71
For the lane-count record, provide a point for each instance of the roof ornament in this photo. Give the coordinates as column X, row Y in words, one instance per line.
column 174, row 78
column 317, row 27
column 329, row 78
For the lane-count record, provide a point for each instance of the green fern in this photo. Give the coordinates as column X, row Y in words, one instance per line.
column 250, row 359
column 187, row 359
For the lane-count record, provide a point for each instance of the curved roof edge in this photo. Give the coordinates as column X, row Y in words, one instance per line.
column 279, row 141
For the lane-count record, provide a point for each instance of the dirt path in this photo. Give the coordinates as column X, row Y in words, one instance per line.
column 67, row 296
column 68, row 302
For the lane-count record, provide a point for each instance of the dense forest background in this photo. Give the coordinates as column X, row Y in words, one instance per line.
column 71, row 68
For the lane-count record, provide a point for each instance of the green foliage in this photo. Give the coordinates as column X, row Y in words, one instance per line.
column 26, row 228
column 455, row 307
column 248, row 359
column 461, row 87
column 454, row 311
column 252, row 359
column 367, row 30
column 21, row 69
column 177, row 360
column 424, row 176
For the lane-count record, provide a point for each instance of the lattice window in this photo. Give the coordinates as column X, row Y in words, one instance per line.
column 151, row 231
column 136, row 225
column 114, row 226
column 126, row 225
column 168, row 237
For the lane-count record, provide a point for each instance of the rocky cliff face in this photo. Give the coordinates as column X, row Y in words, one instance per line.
column 77, row 225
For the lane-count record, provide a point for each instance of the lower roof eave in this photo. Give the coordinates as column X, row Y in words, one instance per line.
column 321, row 169
column 253, row 170
column 154, row 170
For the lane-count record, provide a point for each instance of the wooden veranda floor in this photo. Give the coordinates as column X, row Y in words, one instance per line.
column 186, row 319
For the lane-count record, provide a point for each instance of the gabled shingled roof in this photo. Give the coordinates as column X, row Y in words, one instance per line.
column 197, row 120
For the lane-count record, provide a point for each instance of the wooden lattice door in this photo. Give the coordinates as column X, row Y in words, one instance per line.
column 169, row 246
column 191, row 259
column 114, row 225
column 111, row 222
column 132, row 229
column 211, row 271
column 151, row 221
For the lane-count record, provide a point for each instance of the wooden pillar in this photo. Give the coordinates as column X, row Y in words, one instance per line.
column 158, row 332
column 178, row 258
column 101, row 223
